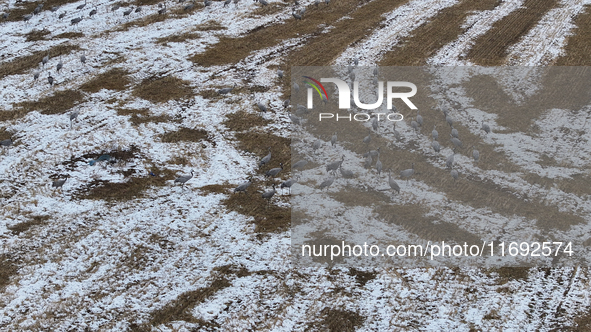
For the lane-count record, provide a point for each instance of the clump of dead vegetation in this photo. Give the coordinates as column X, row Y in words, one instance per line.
column 139, row 116
column 335, row 320
column 24, row 226
column 185, row 135
column 36, row 35
column 162, row 89
column 8, row 268
column 115, row 79
column 68, row 35
column 22, row 64
column 243, row 121
column 58, row 103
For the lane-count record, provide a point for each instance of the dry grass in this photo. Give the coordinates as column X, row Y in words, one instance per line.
column 335, row 320
column 445, row 27
column 232, row 50
column 24, row 226
column 257, row 144
column 578, row 46
column 185, row 135
column 134, row 187
column 362, row 277
column 8, row 268
column 144, row 2
column 58, row 103
column 271, row 9
column 193, row 34
column 162, row 89
column 36, row 35
column 22, row 64
column 68, row 35
column 115, row 79
column 139, row 116
column 145, row 21
column 508, row 273
column 243, row 121
column 490, row 49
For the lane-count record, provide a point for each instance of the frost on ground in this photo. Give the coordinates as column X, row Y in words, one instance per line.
column 121, row 246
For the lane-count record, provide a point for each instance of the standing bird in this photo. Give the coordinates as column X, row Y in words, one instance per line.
column 227, row 2
column 379, row 164
column 333, row 139
column 265, row 159
column 127, row 12
column 280, row 73
column 62, row 15
column 454, row 132
column 83, row 58
column 375, row 124
column 50, row 79
column 295, row 119
column 419, row 119
column 269, row 194
column 436, row 147
column 326, row 183
column 75, row 20
column 393, row 183
column 296, row 87
column 367, row 139
column 296, row 16
column 263, row 2
column 82, row 5
column 73, row 117
column 207, row 3
column 244, row 186
column 456, row 142
column 299, row 165
column 455, row 175
column 262, row 107
column 54, row 8
column 316, row 145
column 45, row 59
column 485, row 127
column 475, row 154
column 162, row 10
column 449, row 162
column 6, row 143
column 375, row 71
column 26, row 18
column 183, row 179
column 407, row 173
column 60, row 65
column 415, row 126
column 332, row 167
column 286, row 103
column 368, row 160
column 434, row 133
column 36, row 75
column 274, row 171
column 58, row 184
column 138, row 9
column 397, row 133
column 288, row 184
column 92, row 12
column 226, row 90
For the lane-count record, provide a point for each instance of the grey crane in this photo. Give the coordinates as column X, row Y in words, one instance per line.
column 419, row 119
column 297, row 17
column 289, row 183
column 303, row 11
column 454, row 132
column 368, row 161
column 367, row 139
column 475, row 154
column 379, row 164
column 62, row 15
column 92, row 12
column 299, row 165
column 162, row 10
column 296, row 87
column 455, row 175
column 244, row 186
column 236, row 2
column 301, row 109
column 262, row 107
column 226, row 90
column 414, row 125
column 75, row 20
column 326, row 183
column 73, row 116
column 397, row 133
column 316, row 145
column 449, row 162
column 375, row 80
column 82, row 5
column 50, row 79
column 274, row 171
column 83, row 58
column 393, row 184
column 295, row 119
column 449, row 120
column 280, row 73
column 266, row 158
column 372, row 153
column 317, row 2
column 356, row 61
column 333, row 166
column 129, row 11
column 60, row 65
column 347, row 174
column 54, row 8
column 375, row 124
column 27, row 17
column 263, row 2
column 58, row 184
column 227, row 2
column 436, row 147
column 207, row 3
column 376, row 71
column 38, row 9
column 36, row 75
column 6, row 143
column 269, row 194
column 183, row 179
column 485, row 127
column 456, row 142
column 333, row 139
column 45, row 59
column 434, row 133
column 349, row 68
column 5, row 16
column 407, row 173
column 138, row 9
column 286, row 103
column 115, row 7
column 191, row 5
column 352, row 75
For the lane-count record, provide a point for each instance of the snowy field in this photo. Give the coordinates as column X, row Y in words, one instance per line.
column 121, row 246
